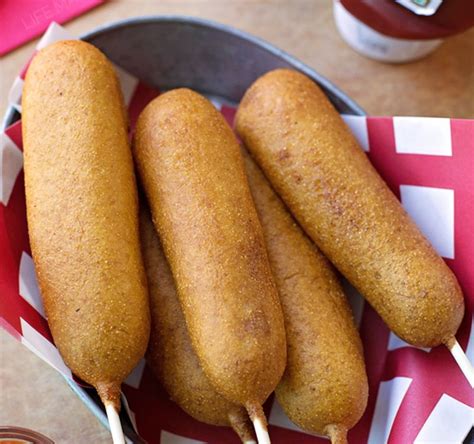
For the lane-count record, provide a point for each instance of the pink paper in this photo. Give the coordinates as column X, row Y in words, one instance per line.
column 22, row 20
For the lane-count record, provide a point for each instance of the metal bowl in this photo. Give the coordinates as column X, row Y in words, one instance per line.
column 174, row 51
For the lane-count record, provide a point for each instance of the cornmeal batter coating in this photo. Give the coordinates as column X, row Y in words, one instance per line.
column 192, row 171
column 324, row 388
column 316, row 166
column 82, row 213
column 170, row 353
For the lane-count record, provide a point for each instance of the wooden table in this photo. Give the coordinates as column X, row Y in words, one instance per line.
column 31, row 393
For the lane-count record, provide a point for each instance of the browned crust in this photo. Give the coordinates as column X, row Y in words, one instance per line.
column 325, row 381
column 337, row 434
column 316, row 166
column 191, row 168
column 170, row 354
column 109, row 393
column 82, row 213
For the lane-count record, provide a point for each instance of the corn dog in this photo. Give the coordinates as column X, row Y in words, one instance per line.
column 191, row 168
column 316, row 166
column 83, row 216
column 324, row 387
column 170, row 354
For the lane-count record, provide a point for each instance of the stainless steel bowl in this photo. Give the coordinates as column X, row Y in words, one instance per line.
column 174, row 51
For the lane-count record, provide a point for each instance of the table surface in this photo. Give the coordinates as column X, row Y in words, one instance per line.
column 442, row 84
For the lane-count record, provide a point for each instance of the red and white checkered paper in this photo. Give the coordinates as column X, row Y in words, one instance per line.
column 416, row 395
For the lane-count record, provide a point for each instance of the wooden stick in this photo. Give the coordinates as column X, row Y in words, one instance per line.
column 461, row 359
column 239, row 421
column 261, row 431
column 115, row 424
column 257, row 416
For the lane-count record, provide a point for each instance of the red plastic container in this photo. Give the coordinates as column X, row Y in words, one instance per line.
column 400, row 30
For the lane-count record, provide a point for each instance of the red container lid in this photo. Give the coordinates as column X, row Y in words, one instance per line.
column 394, row 20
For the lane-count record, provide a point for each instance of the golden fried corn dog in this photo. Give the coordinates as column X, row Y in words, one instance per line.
column 324, row 387
column 316, row 166
column 170, row 354
column 191, row 168
column 83, row 216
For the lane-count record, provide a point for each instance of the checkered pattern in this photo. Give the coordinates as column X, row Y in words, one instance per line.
column 416, row 395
